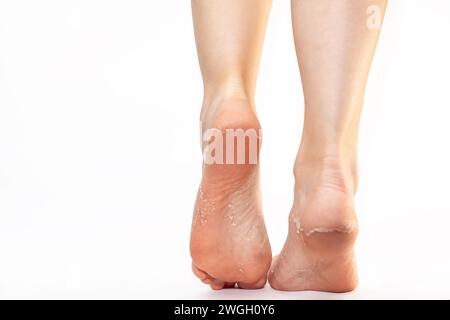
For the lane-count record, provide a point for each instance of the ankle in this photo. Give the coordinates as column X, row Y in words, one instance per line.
column 332, row 168
column 228, row 91
column 231, row 109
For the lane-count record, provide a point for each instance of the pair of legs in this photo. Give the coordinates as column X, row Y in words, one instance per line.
column 335, row 46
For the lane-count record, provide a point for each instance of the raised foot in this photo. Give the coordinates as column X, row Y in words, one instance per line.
column 229, row 243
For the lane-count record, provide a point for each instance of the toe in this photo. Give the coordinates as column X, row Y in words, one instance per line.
column 254, row 285
column 202, row 275
column 217, row 284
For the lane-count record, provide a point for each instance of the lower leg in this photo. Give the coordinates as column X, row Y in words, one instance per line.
column 229, row 37
column 335, row 46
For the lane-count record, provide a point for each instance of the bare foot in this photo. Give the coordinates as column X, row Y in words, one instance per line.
column 318, row 253
column 229, row 243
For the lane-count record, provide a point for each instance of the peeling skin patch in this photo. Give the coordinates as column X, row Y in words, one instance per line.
column 231, row 218
column 204, row 209
column 241, row 270
column 297, row 225
column 230, row 207
column 348, row 229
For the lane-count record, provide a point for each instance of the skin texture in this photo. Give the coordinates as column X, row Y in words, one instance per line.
column 335, row 47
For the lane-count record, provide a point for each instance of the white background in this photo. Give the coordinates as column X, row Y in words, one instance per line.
column 99, row 155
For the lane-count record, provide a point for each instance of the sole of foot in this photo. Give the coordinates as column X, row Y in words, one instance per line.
column 229, row 244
